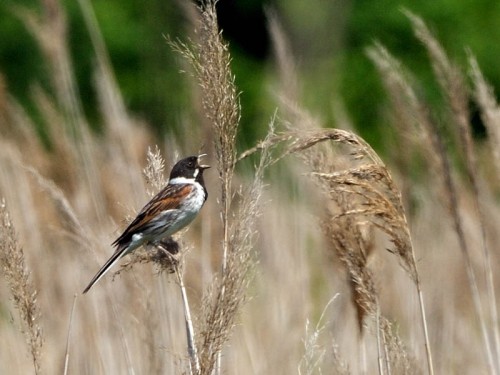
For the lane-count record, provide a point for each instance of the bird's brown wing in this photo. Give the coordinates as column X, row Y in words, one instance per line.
column 170, row 198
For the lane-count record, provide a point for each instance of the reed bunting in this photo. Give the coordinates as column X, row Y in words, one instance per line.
column 169, row 211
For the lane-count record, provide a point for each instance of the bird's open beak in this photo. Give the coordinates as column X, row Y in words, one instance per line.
column 202, row 166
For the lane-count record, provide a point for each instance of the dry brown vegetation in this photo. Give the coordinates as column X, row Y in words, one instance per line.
column 337, row 262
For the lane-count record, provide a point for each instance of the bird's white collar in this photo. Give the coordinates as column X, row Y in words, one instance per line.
column 181, row 180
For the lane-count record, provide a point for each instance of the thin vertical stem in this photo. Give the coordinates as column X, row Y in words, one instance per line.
column 68, row 341
column 423, row 317
column 379, row 344
column 194, row 361
column 430, row 366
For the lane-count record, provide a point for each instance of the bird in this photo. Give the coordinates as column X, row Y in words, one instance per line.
column 172, row 209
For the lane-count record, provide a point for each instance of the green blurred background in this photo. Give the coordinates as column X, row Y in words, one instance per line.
column 328, row 38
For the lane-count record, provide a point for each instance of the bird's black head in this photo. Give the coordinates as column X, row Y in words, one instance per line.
column 189, row 167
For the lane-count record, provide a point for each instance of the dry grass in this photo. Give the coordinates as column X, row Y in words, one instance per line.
column 285, row 271
column 22, row 290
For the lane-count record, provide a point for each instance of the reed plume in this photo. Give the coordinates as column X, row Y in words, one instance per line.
column 210, row 60
column 23, row 292
column 413, row 116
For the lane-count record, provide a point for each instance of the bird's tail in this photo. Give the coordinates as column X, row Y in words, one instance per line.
column 120, row 252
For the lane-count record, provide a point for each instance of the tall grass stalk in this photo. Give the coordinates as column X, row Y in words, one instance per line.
column 411, row 111
column 192, row 350
column 50, row 29
column 456, row 93
column 210, row 60
column 22, row 289
column 209, row 57
column 489, row 113
column 68, row 338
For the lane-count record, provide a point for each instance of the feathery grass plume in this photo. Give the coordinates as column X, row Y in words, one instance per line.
column 343, row 233
column 490, row 110
column 365, row 194
column 490, row 113
column 345, row 238
column 314, row 351
column 409, row 111
column 434, row 149
column 455, row 90
column 398, row 361
column 379, row 202
column 353, row 247
column 210, row 59
column 372, row 182
column 112, row 107
column 361, row 201
column 228, row 292
column 110, row 98
column 21, row 286
column 165, row 256
column 288, row 81
column 69, row 219
column 50, row 31
column 153, row 172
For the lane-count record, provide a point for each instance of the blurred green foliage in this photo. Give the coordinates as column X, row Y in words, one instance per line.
column 337, row 63
column 328, row 39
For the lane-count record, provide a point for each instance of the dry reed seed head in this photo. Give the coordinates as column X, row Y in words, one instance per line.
column 454, row 87
column 69, row 219
column 412, row 115
column 210, row 59
column 21, row 287
column 153, row 172
column 301, row 141
column 428, row 135
column 399, row 360
column 456, row 92
column 448, row 74
column 271, row 143
column 285, row 61
column 347, row 242
column 398, row 84
column 220, row 100
column 227, row 294
column 314, row 352
column 374, row 196
column 350, row 246
column 490, row 110
column 223, row 301
column 50, row 31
